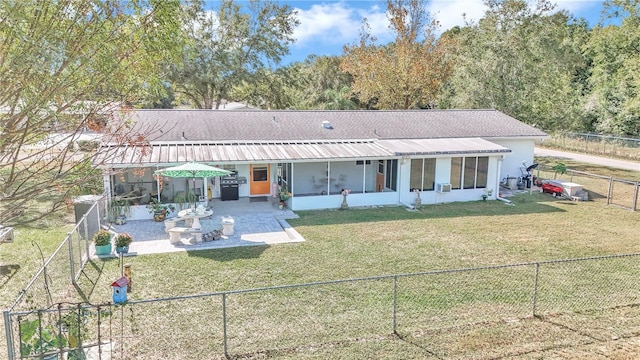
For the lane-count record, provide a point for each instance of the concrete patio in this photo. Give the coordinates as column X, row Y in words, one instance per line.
column 255, row 223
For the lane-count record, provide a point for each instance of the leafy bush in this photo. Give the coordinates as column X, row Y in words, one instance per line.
column 123, row 239
column 102, row 237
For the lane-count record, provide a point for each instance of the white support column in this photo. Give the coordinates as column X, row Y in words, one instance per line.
column 497, row 188
column 328, row 177
column 364, row 176
column 158, row 185
column 106, row 181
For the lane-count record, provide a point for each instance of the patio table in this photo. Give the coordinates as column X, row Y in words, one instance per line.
column 192, row 214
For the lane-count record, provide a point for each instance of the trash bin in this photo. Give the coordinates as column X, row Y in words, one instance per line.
column 227, row 225
column 512, row 183
column 528, row 182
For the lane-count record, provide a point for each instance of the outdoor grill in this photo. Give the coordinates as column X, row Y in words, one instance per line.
column 229, row 186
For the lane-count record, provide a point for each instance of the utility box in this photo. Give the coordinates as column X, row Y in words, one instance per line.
column 227, row 225
column 81, row 206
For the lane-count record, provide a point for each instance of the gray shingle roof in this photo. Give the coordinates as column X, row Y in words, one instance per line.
column 211, row 125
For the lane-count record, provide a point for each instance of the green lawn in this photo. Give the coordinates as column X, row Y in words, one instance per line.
column 355, row 318
column 354, row 243
column 371, row 242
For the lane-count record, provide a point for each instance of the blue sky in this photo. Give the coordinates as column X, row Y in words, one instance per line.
column 326, row 26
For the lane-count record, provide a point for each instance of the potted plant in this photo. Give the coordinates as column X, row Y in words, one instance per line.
column 122, row 241
column 102, row 241
column 119, row 207
column 184, row 200
column 283, row 195
column 159, row 210
column 487, row 193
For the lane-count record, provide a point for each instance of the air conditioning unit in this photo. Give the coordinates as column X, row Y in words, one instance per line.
column 443, row 188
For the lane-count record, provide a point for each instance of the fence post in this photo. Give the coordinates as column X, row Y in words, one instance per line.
column 395, row 303
column 586, row 143
column 635, row 196
column 8, row 331
column 224, row 325
column 535, row 290
column 85, row 219
column 87, row 240
column 609, row 191
column 71, row 264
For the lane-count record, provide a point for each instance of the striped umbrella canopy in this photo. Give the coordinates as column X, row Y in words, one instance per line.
column 192, row 169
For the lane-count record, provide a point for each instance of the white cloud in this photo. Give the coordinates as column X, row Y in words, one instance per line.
column 337, row 23
column 450, row 12
column 327, row 25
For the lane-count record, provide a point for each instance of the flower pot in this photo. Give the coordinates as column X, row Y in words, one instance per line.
column 159, row 216
column 122, row 249
column 103, row 249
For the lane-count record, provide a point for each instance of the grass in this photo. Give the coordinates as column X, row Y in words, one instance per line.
column 329, row 322
column 372, row 242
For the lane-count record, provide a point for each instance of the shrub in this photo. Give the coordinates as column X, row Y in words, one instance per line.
column 123, row 239
column 102, row 237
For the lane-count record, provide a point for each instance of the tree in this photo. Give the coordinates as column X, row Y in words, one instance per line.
column 267, row 89
column 404, row 74
column 315, row 83
column 227, row 47
column 614, row 98
column 524, row 62
column 342, row 99
column 66, row 69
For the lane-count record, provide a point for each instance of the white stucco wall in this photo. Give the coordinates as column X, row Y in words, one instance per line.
column 521, row 150
column 443, row 174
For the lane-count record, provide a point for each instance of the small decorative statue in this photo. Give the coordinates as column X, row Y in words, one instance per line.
column 418, row 200
column 344, row 204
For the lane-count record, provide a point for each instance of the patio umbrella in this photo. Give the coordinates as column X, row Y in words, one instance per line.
column 192, row 170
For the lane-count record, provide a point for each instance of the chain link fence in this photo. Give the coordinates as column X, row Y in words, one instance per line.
column 64, row 267
column 605, row 189
column 613, row 146
column 484, row 312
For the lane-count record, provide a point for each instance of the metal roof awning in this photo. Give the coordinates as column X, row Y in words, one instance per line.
column 234, row 152
column 446, row 146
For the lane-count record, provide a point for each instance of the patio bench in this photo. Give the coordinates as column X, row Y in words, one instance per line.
column 173, row 222
column 176, row 232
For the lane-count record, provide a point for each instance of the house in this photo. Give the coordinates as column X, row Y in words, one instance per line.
column 380, row 157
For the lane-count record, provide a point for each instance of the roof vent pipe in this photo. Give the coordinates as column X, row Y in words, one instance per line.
column 327, row 125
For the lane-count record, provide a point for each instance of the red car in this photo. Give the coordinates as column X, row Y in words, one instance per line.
column 552, row 189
